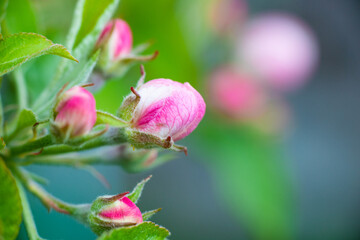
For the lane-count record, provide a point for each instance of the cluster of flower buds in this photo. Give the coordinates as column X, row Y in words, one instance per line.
column 117, row 53
column 156, row 113
column 74, row 113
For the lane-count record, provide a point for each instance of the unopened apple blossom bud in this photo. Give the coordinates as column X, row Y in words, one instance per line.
column 115, row 40
column 109, row 212
column 236, row 94
column 166, row 109
column 281, row 48
column 74, row 113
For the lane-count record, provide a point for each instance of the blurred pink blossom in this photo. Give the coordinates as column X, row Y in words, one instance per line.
column 236, row 93
column 281, row 48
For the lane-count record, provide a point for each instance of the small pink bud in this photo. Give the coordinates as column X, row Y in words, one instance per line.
column 75, row 112
column 168, row 108
column 116, row 40
column 236, row 94
column 281, row 48
column 123, row 211
column 108, row 212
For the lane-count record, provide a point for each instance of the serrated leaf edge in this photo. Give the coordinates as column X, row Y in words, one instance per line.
column 25, row 59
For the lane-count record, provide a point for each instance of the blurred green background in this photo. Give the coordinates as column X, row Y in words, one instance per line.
column 300, row 181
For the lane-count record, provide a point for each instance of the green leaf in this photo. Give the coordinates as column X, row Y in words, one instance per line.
column 26, row 119
column 18, row 48
column 107, row 118
column 145, row 230
column 10, row 205
column 148, row 214
column 136, row 193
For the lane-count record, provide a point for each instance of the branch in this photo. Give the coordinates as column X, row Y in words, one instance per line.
column 77, row 211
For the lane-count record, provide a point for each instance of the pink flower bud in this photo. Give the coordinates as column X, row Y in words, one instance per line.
column 168, row 108
column 236, row 94
column 116, row 40
column 280, row 48
column 123, row 211
column 75, row 112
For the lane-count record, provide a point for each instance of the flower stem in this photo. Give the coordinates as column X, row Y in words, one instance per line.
column 113, row 136
column 77, row 211
column 109, row 155
column 27, row 214
column 34, row 145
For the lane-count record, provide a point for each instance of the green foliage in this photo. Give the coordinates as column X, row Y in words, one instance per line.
column 136, row 193
column 10, row 205
column 18, row 48
column 145, row 230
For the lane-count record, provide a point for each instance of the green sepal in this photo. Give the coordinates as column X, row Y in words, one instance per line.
column 136, row 193
column 146, row 140
column 148, row 214
column 127, row 107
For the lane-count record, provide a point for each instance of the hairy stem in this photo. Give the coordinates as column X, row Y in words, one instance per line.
column 77, row 211
column 39, row 143
column 112, row 137
column 27, row 214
